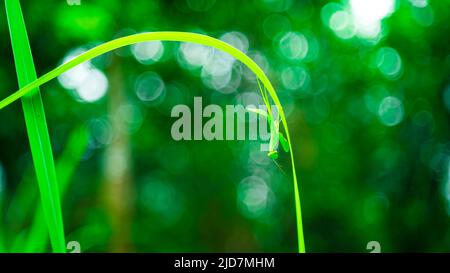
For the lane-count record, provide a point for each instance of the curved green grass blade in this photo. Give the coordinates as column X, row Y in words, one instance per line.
column 36, row 126
column 179, row 37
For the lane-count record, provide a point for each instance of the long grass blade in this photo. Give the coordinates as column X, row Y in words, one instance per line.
column 65, row 168
column 36, row 126
column 179, row 37
column 35, row 239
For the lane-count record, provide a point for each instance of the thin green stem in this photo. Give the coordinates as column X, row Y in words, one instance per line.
column 65, row 168
column 36, row 126
column 178, row 37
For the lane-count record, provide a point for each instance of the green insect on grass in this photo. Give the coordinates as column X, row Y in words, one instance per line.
column 267, row 90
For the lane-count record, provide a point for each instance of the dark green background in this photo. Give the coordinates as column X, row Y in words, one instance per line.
column 364, row 174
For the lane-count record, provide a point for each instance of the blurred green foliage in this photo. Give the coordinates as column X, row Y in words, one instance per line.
column 365, row 86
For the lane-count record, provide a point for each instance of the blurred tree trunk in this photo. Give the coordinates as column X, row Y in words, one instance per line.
column 117, row 165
